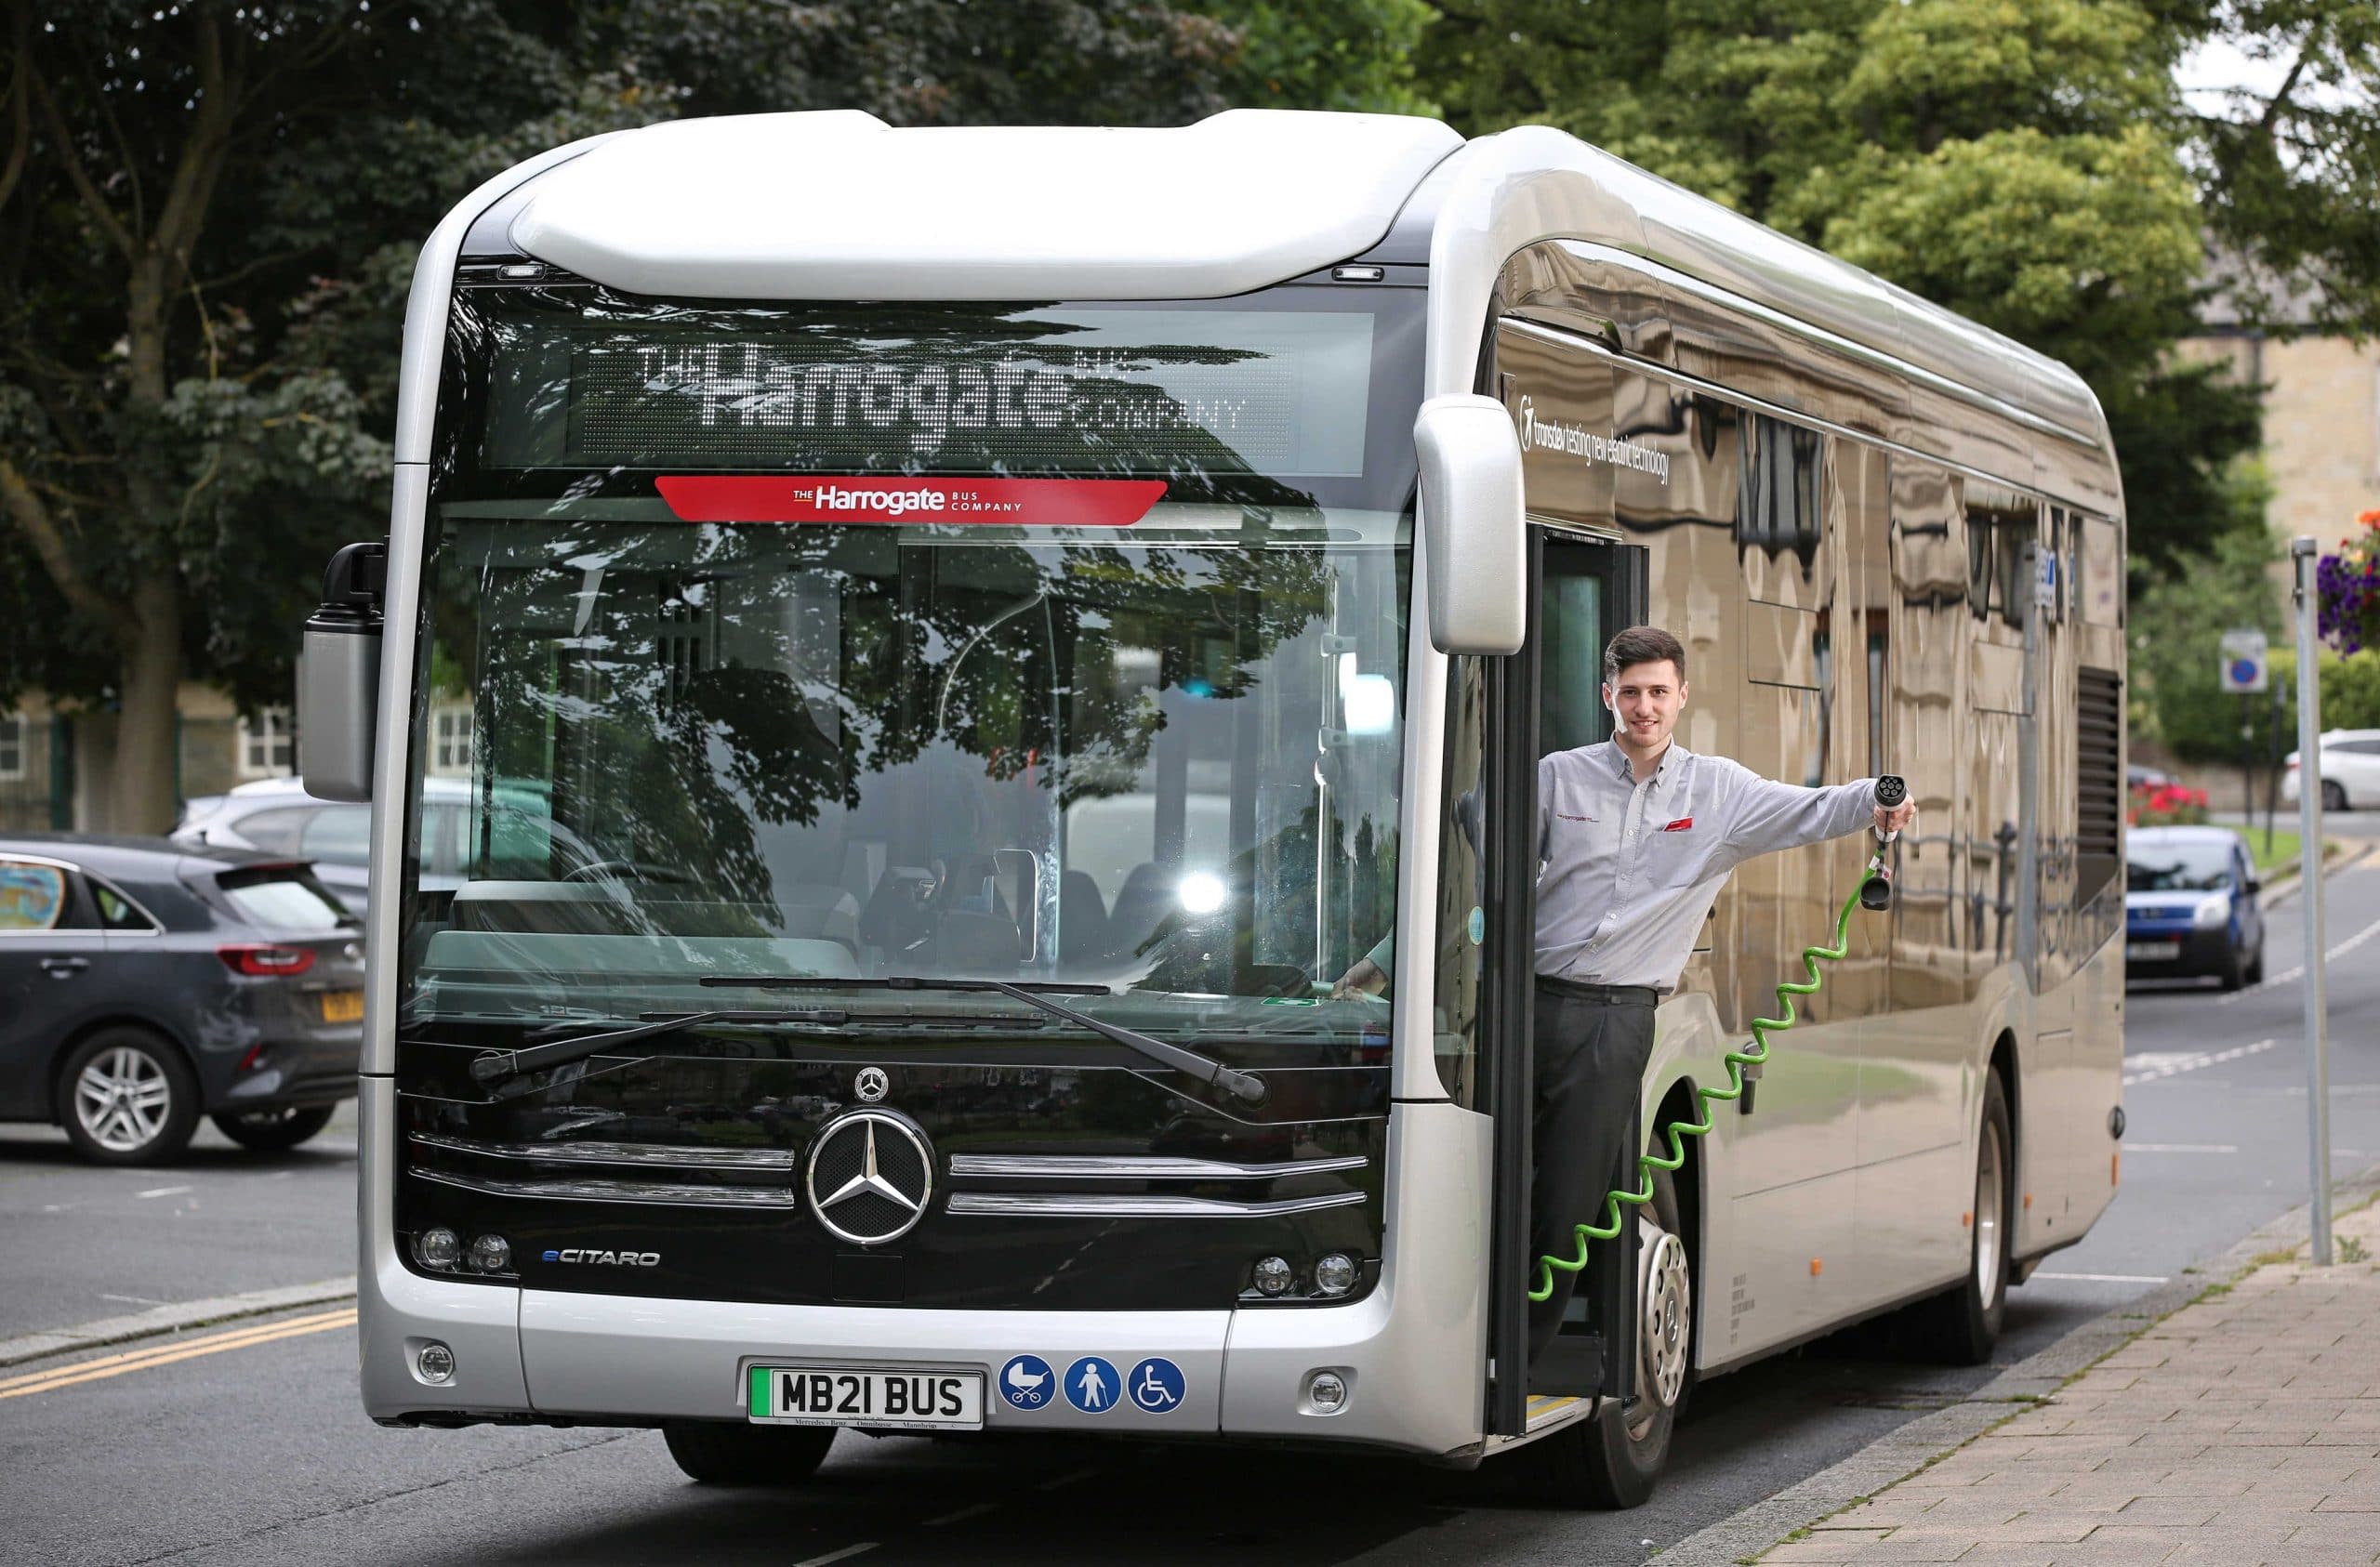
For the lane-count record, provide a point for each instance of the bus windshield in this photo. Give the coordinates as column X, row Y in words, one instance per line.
column 1132, row 719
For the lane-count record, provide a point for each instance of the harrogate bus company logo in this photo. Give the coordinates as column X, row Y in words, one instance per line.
column 834, row 501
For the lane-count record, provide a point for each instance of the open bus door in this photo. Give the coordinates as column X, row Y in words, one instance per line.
column 1583, row 588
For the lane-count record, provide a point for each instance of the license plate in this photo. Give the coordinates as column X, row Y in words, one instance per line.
column 2147, row 951
column 817, row 1395
column 342, row 1006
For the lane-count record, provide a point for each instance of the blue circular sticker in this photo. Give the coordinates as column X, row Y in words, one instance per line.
column 1157, row 1386
column 1026, row 1382
column 1478, row 924
column 1093, row 1384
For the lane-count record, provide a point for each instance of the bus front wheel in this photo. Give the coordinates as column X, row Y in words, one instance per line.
column 722, row 1453
column 1613, row 1458
column 1961, row 1325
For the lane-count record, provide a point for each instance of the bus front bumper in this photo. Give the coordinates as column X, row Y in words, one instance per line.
column 1407, row 1358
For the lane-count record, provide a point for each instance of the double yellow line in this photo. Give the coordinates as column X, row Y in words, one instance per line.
column 171, row 1351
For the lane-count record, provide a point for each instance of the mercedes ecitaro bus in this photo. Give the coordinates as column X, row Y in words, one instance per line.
column 955, row 641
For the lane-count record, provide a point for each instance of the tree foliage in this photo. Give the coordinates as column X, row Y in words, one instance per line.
column 208, row 215
column 2177, row 625
column 2027, row 162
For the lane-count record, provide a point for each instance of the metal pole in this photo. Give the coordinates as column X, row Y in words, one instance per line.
column 2310, row 821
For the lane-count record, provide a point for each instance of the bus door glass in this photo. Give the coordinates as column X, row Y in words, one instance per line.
column 1546, row 698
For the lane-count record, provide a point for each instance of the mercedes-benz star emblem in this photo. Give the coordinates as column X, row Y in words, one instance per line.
column 872, row 1085
column 870, row 1177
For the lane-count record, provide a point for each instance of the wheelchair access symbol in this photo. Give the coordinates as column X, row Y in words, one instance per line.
column 1156, row 1386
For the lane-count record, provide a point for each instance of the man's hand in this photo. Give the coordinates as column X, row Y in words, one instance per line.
column 1896, row 818
column 1364, row 979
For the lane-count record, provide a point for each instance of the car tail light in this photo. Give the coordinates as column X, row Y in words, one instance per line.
column 266, row 962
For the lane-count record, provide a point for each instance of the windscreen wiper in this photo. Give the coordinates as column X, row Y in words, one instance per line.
column 1206, row 1069
column 499, row 1070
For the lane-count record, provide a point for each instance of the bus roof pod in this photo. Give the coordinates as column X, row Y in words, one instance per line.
column 836, row 205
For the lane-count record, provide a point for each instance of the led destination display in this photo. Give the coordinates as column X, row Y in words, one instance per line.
column 1056, row 390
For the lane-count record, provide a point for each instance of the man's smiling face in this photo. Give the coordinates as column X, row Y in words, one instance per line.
column 1646, row 699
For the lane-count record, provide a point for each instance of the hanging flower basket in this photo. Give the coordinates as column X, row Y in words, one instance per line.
column 2346, row 588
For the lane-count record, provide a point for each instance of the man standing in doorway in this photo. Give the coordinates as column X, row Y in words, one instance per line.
column 1635, row 836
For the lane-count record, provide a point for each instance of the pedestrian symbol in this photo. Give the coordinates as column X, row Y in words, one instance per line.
column 1157, row 1386
column 1027, row 1383
column 1091, row 1385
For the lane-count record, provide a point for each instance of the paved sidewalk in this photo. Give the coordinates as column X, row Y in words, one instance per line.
column 2245, row 1429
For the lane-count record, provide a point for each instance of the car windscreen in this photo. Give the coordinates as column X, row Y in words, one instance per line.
column 282, row 897
column 2178, row 867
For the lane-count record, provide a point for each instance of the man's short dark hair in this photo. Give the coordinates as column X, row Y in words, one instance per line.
column 1642, row 644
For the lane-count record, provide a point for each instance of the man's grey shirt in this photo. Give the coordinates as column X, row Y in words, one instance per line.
column 1629, row 870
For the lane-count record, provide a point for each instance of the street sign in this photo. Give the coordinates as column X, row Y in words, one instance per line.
column 2244, row 669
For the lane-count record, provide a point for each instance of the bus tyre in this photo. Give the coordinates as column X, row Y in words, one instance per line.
column 1613, row 1458
column 1961, row 1325
column 721, row 1452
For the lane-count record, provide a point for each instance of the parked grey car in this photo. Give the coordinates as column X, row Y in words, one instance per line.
column 144, row 983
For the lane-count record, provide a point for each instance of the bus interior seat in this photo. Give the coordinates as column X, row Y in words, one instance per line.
column 862, row 868
column 820, row 910
column 1082, row 918
column 970, row 942
column 1141, row 905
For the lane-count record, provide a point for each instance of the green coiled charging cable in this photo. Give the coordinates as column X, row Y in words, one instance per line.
column 1890, row 791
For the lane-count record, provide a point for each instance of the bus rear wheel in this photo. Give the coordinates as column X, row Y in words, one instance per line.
column 722, row 1453
column 1613, row 1458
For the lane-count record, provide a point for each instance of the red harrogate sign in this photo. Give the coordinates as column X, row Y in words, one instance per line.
column 1040, row 502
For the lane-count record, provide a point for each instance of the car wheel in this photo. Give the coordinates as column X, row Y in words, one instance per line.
column 276, row 1130
column 716, row 1453
column 2334, row 795
column 1963, row 1323
column 2231, row 973
column 1614, row 1457
column 127, row 1098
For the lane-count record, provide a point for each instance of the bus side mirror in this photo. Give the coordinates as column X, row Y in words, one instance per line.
column 338, row 676
column 1473, row 536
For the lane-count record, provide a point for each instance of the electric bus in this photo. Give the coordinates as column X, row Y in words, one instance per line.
column 958, row 641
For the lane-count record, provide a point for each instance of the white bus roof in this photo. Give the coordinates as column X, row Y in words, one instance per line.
column 836, row 205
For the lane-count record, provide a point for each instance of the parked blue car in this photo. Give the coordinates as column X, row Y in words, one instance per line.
column 2191, row 906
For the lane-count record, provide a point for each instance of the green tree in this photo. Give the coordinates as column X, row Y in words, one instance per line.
column 2293, row 171
column 208, row 214
column 2020, row 162
column 2176, row 627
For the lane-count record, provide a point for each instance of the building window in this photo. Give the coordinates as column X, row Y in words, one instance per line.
column 265, row 750
column 12, row 746
column 450, row 731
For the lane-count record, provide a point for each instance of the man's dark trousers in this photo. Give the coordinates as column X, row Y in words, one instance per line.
column 1591, row 1044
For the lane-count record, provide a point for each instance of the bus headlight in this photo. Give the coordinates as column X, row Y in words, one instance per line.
column 1335, row 1274
column 490, row 1253
column 437, row 1248
column 1273, row 1275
